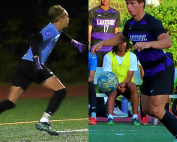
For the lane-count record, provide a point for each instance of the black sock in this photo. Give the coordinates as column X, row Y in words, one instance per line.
column 55, row 101
column 167, row 106
column 170, row 123
column 92, row 97
column 142, row 113
column 5, row 105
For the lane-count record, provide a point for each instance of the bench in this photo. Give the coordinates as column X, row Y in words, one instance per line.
column 136, row 76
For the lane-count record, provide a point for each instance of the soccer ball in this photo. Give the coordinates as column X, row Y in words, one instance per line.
column 107, row 82
column 130, row 112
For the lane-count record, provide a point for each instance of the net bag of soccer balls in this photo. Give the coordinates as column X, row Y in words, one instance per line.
column 107, row 82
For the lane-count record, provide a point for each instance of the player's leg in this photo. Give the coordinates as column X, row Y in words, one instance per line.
column 60, row 92
column 170, row 122
column 132, row 93
column 15, row 93
column 110, row 106
column 92, row 101
column 19, row 85
column 143, row 115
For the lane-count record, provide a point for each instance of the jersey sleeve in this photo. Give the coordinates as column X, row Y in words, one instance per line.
column 90, row 17
column 133, row 62
column 125, row 31
column 48, row 33
column 157, row 28
column 118, row 24
column 107, row 63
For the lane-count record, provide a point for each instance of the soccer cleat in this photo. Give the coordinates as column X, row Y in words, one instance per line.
column 110, row 122
column 92, row 121
column 135, row 122
column 143, row 121
column 43, row 126
column 118, row 113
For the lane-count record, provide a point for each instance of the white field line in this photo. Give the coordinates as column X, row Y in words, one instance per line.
column 69, row 131
column 14, row 123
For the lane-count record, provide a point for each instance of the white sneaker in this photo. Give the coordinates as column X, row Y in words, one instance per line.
column 118, row 113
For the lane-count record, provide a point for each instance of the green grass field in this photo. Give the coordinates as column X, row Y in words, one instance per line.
column 70, row 120
column 126, row 132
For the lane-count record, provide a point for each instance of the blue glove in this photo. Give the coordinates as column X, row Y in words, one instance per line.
column 37, row 64
column 79, row 46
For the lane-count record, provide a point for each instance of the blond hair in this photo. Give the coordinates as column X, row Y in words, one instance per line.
column 55, row 13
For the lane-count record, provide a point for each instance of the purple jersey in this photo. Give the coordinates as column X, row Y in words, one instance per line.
column 103, row 23
column 145, row 30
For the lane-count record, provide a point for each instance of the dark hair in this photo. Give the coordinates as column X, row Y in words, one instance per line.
column 139, row 1
column 55, row 12
column 114, row 49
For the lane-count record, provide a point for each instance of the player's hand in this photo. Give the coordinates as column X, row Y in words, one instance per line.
column 38, row 67
column 97, row 47
column 142, row 45
column 121, row 89
column 79, row 46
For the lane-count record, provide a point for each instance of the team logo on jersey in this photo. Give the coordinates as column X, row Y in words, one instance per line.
column 47, row 33
column 138, row 37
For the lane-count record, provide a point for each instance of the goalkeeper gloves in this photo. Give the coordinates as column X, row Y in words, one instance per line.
column 79, row 46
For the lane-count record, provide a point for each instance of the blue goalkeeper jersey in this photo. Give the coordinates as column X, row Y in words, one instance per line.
column 92, row 63
column 50, row 37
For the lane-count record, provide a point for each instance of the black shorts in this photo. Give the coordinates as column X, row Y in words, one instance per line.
column 161, row 83
column 25, row 74
column 100, row 56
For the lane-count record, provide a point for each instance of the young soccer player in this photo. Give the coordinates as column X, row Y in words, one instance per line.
column 32, row 67
column 149, row 38
column 92, row 64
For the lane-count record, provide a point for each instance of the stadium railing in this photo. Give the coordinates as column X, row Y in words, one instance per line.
column 136, row 76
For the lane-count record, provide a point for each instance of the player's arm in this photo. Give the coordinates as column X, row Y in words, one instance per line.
column 37, row 39
column 78, row 46
column 114, row 41
column 116, row 30
column 163, row 42
column 91, row 78
column 89, row 34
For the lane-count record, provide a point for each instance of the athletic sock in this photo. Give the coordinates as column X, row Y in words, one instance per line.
column 110, row 116
column 5, row 105
column 93, row 114
column 45, row 117
column 135, row 116
column 92, row 96
column 170, row 123
column 55, row 101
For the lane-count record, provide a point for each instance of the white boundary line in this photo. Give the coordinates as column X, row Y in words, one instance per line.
column 14, row 123
column 68, row 131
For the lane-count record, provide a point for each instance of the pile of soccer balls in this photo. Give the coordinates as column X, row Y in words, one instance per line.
column 107, row 82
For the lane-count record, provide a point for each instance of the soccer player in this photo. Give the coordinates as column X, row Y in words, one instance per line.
column 92, row 63
column 123, row 63
column 104, row 22
column 149, row 38
column 32, row 67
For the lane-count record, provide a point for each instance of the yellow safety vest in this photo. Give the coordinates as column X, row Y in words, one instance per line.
column 121, row 70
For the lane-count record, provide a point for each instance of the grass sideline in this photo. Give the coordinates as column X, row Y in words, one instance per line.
column 70, row 120
column 126, row 132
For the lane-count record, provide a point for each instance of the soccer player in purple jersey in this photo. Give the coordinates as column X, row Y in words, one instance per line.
column 149, row 38
column 103, row 23
column 32, row 67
